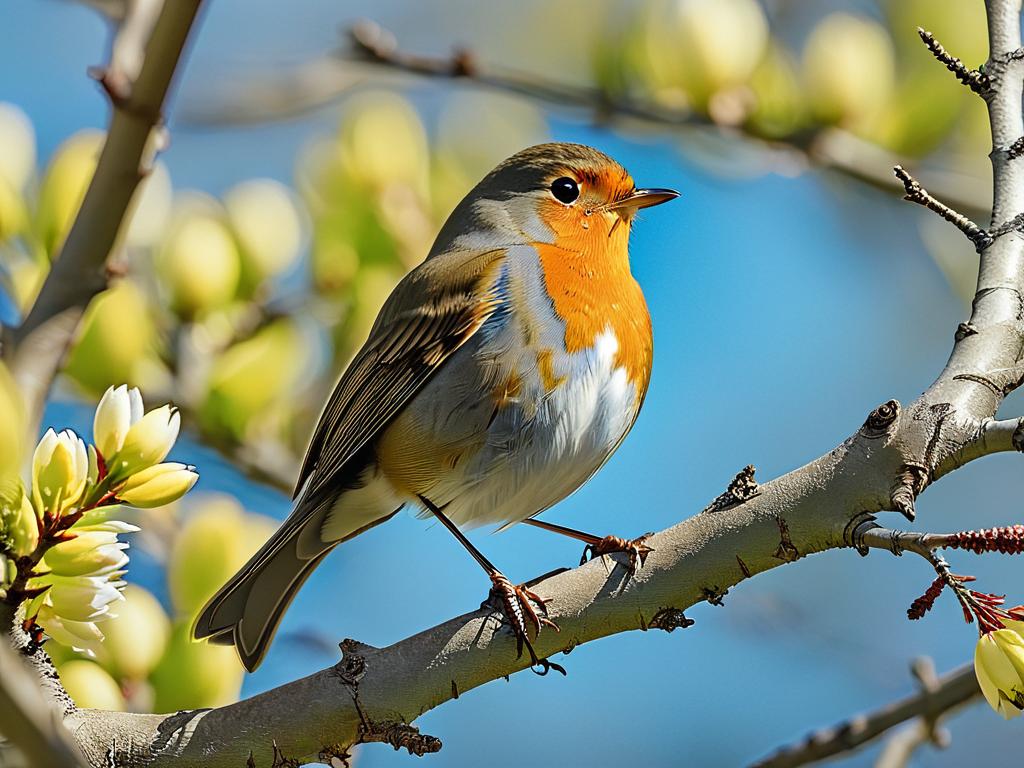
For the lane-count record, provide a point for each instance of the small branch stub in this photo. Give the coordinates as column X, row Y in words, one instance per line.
column 742, row 488
column 915, row 193
column 1016, row 149
column 909, row 484
column 972, row 78
column 670, row 619
column 403, row 736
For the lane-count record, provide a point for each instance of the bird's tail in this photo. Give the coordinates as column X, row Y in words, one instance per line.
column 246, row 611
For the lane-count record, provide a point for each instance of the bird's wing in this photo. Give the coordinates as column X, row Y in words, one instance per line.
column 432, row 312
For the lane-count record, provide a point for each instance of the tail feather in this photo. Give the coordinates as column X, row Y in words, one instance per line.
column 246, row 611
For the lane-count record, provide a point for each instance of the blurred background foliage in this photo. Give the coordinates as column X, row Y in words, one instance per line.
column 246, row 307
column 242, row 307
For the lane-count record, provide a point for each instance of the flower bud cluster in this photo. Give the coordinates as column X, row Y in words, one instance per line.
column 59, row 548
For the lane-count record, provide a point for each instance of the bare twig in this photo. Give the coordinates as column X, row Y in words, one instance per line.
column 36, row 348
column 323, row 80
column 915, row 193
column 948, row 693
column 972, row 78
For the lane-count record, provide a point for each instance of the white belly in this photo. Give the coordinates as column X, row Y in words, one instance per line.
column 541, row 446
column 485, row 464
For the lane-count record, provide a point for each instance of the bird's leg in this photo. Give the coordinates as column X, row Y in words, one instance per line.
column 636, row 549
column 515, row 600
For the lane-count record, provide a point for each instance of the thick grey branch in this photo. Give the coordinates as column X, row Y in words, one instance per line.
column 806, row 511
column 36, row 348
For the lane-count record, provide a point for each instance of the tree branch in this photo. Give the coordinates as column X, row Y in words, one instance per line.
column 31, row 721
column 972, row 78
column 950, row 692
column 36, row 348
column 993, row 436
column 372, row 691
column 324, row 79
column 915, row 193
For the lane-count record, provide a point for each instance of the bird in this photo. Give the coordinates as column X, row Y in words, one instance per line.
column 500, row 375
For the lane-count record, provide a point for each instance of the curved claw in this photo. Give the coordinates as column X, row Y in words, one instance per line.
column 636, row 549
column 545, row 666
column 517, row 605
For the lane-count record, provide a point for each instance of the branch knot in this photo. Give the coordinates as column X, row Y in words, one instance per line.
column 670, row 619
column 880, row 419
column 741, row 488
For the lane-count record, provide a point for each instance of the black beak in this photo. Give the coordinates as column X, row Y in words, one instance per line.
column 645, row 198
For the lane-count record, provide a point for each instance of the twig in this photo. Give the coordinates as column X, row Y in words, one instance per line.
column 36, row 348
column 972, row 78
column 950, row 692
column 915, row 193
column 322, row 80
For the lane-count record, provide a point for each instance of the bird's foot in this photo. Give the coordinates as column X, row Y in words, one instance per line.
column 516, row 603
column 636, row 549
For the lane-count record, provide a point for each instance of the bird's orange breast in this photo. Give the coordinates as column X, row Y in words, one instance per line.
column 587, row 276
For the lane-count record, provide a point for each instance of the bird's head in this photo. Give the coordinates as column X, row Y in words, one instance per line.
column 568, row 195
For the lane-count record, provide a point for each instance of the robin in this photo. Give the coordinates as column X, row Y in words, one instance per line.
column 499, row 376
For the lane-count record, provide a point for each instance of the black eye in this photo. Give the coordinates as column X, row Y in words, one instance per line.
column 565, row 190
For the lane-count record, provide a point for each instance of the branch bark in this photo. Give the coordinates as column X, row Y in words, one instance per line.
column 31, row 720
column 35, row 349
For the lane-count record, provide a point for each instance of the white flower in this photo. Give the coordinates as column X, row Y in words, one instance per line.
column 60, row 468
column 79, row 635
column 160, row 484
column 118, row 409
column 999, row 665
column 147, row 442
column 91, row 553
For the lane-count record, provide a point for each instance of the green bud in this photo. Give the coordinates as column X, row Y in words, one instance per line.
column 158, row 485
column 19, row 525
column 147, row 442
column 192, row 675
column 60, row 468
column 90, row 686
column 137, row 636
